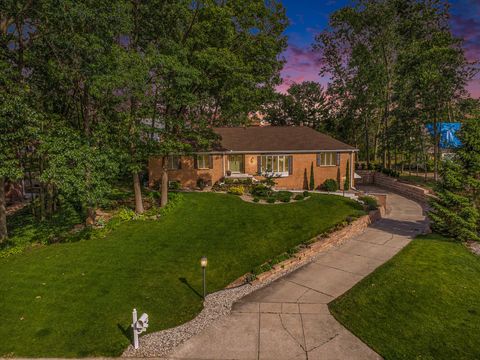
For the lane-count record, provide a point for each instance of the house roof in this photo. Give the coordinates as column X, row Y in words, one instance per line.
column 277, row 139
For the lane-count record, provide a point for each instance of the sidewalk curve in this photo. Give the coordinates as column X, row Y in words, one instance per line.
column 289, row 319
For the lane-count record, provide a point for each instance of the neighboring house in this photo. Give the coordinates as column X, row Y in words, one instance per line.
column 256, row 152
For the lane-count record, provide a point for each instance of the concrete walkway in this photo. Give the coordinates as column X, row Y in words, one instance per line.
column 289, row 319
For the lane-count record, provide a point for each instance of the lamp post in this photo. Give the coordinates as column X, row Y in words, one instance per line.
column 203, row 263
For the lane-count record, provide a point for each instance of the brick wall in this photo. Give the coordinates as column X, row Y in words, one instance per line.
column 412, row 192
column 188, row 175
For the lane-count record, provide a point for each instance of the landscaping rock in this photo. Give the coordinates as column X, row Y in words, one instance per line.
column 474, row 247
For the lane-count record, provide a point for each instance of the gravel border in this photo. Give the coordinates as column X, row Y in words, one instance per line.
column 216, row 306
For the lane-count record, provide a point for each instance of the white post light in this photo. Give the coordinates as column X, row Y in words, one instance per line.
column 138, row 326
column 203, row 263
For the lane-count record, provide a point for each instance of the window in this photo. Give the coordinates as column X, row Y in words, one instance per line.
column 273, row 164
column 203, row 162
column 327, row 159
column 173, row 162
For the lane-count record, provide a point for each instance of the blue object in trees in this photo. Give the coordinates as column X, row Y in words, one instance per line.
column 447, row 131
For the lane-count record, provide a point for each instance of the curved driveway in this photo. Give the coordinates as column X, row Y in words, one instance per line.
column 289, row 319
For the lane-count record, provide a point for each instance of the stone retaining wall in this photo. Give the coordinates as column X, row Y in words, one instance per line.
column 321, row 244
column 410, row 191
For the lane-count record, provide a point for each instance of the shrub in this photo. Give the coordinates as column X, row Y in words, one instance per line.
column 236, row 190
column 283, row 196
column 174, row 199
column 271, row 200
column 201, row 183
column 312, row 178
column 370, row 202
column 268, row 181
column 174, row 185
column 389, row 172
column 260, row 190
column 299, row 197
column 250, row 277
column 256, row 199
column 263, row 268
column 329, row 185
column 153, row 195
column 126, row 214
column 278, row 259
column 306, row 194
column 346, row 184
column 237, row 181
column 305, row 180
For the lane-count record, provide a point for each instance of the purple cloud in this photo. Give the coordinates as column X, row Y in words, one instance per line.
column 303, row 64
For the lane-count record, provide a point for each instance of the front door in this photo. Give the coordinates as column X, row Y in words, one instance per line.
column 235, row 163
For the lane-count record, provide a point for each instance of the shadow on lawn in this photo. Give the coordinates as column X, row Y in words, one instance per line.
column 126, row 331
column 185, row 281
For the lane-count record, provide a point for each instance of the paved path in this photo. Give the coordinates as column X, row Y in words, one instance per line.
column 289, row 319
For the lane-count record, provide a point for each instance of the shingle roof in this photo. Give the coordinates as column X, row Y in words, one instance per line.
column 277, row 139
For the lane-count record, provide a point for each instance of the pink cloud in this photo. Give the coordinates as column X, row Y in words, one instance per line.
column 303, row 64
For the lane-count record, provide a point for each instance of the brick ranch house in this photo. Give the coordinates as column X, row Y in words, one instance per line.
column 282, row 152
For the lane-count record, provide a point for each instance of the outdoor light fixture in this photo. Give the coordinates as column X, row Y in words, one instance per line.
column 203, row 263
column 139, row 326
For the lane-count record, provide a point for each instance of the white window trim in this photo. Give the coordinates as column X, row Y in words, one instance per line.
column 333, row 157
column 277, row 173
column 205, row 163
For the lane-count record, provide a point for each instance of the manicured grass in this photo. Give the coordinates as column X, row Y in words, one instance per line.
column 419, row 180
column 422, row 304
column 75, row 299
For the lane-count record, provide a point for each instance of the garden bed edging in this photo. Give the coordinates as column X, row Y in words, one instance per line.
column 318, row 245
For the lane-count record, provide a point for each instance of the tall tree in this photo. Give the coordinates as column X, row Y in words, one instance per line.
column 17, row 128
column 456, row 210
column 213, row 63
column 304, row 104
column 394, row 66
column 69, row 57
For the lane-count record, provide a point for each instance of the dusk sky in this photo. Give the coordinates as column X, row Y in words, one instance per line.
column 308, row 17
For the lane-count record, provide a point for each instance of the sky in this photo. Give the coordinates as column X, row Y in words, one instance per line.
column 308, row 17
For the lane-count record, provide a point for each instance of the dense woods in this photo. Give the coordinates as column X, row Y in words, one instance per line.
column 394, row 66
column 90, row 89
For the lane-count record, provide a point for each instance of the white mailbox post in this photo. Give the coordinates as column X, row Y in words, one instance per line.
column 138, row 326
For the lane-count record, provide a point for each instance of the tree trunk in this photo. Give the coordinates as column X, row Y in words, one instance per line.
column 3, row 212
column 164, row 186
column 91, row 215
column 367, row 142
column 138, row 193
column 42, row 202
column 41, row 194
column 435, row 149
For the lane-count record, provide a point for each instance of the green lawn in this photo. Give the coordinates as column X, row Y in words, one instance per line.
column 419, row 180
column 75, row 299
column 422, row 304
